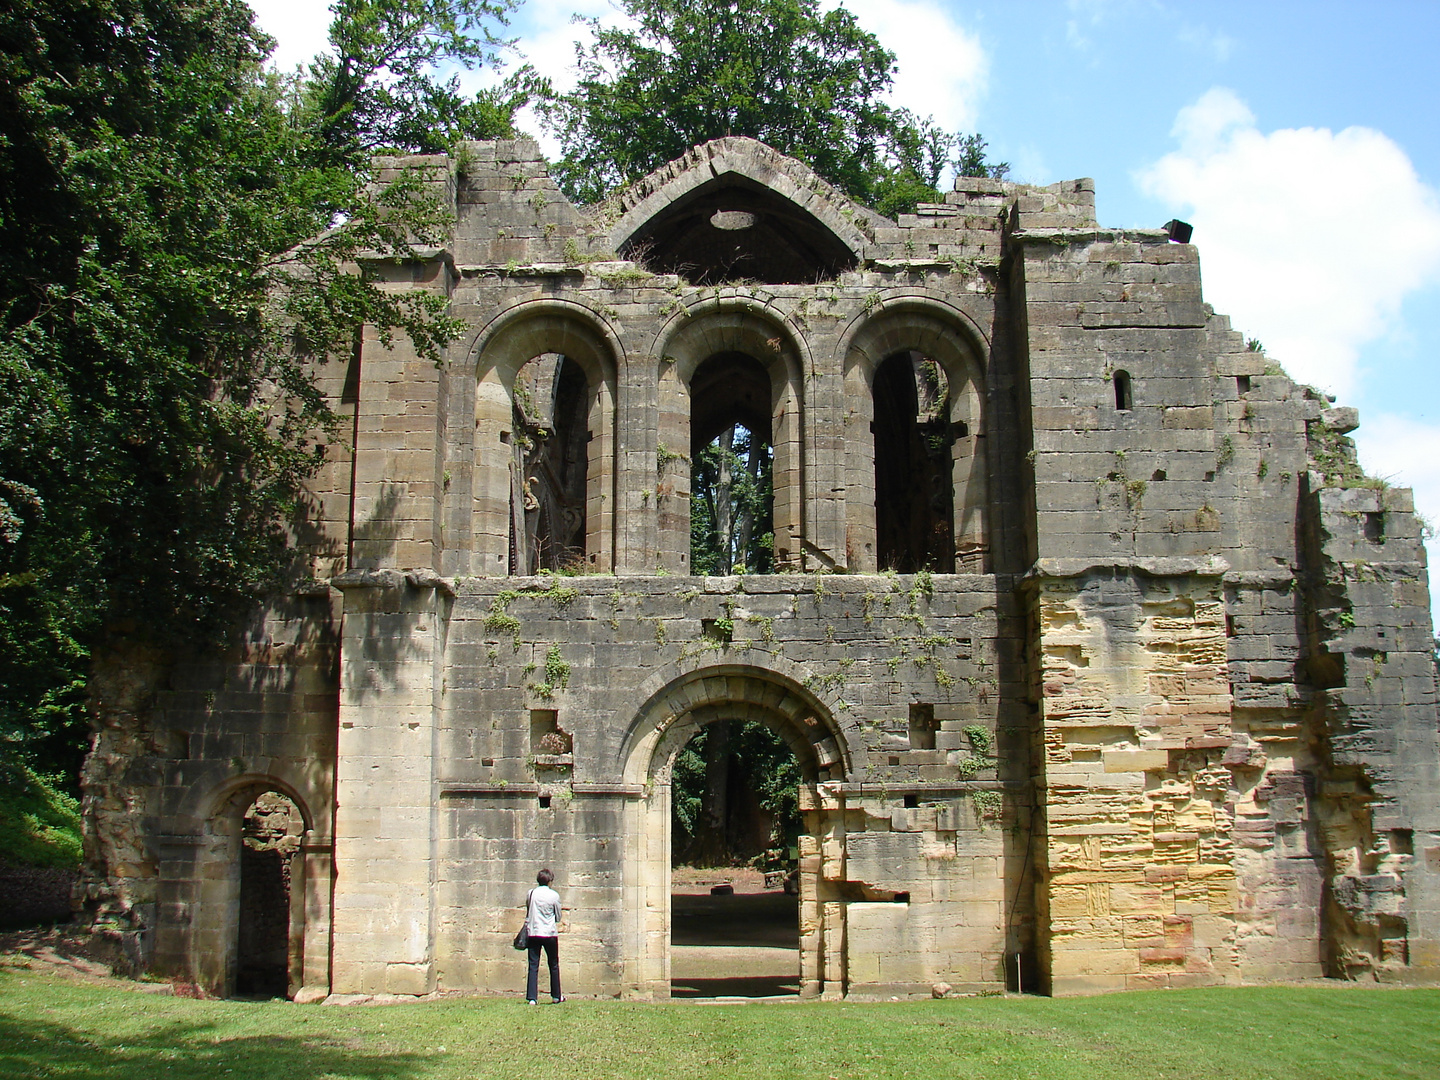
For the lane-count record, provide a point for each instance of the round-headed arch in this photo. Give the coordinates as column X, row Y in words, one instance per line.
column 233, row 797
column 688, row 700
column 501, row 534
column 743, row 333
column 535, row 327
column 907, row 322
column 883, row 503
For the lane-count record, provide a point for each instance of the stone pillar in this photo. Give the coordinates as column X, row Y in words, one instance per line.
column 385, row 817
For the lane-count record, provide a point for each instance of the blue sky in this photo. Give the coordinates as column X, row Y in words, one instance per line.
column 1301, row 139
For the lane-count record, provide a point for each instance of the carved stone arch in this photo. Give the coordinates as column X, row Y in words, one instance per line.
column 669, row 716
column 731, row 325
column 789, row 224
column 755, row 681
column 207, row 875
column 500, row 491
column 205, row 805
column 947, row 336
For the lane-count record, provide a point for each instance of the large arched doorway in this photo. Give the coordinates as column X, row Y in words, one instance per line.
column 735, row 695
column 735, row 826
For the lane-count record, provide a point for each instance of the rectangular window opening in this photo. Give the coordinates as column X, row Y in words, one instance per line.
column 922, row 726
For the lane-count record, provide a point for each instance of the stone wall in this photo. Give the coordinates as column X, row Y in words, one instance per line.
column 1172, row 721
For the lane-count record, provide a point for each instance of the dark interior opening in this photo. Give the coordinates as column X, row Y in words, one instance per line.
column 914, row 492
column 1123, row 398
column 550, row 466
column 733, row 229
column 270, row 838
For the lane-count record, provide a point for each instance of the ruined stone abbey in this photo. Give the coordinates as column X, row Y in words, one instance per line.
column 1104, row 665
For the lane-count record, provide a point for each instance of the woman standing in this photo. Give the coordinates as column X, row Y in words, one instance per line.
column 542, row 922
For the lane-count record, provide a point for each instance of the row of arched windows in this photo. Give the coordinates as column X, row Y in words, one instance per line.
column 730, row 487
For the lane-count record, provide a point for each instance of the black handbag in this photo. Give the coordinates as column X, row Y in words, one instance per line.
column 522, row 937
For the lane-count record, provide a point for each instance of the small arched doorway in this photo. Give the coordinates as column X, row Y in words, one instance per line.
column 266, row 943
column 738, row 694
column 249, row 932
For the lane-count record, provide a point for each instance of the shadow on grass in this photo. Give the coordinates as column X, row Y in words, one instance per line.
column 751, row 987
column 41, row 1048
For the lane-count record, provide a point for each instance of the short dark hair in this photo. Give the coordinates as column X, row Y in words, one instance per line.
column 544, row 877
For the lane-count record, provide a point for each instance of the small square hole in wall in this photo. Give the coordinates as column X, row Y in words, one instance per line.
column 488, row 762
column 922, row 726
column 1242, row 384
column 1158, row 475
column 722, row 630
column 546, row 734
column 912, row 802
column 1402, row 841
column 544, row 802
column 892, row 761
column 1375, row 528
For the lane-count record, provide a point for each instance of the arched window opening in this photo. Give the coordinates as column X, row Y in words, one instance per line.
column 914, row 494
column 1123, row 399
column 731, row 477
column 267, row 949
column 549, row 465
column 735, row 828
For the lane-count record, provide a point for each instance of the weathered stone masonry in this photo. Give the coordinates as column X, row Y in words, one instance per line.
column 1156, row 708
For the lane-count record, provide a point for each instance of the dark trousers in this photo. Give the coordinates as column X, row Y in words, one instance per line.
column 552, row 955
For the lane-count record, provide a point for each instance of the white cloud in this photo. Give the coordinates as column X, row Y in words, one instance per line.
column 301, row 28
column 943, row 69
column 1310, row 239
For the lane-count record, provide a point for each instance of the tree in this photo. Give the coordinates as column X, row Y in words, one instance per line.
column 379, row 90
column 176, row 227
column 808, row 82
column 731, row 494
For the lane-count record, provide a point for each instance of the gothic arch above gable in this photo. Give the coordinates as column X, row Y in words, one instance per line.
column 734, row 209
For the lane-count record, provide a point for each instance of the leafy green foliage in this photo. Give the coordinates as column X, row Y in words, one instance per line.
column 177, row 238
column 807, row 81
column 39, row 823
column 378, row 88
column 759, row 759
column 732, row 494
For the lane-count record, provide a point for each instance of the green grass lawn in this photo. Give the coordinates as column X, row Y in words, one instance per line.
column 52, row 1027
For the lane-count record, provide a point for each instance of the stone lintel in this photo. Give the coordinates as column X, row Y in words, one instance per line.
column 926, row 788
column 420, row 579
column 1150, row 566
column 1089, row 235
